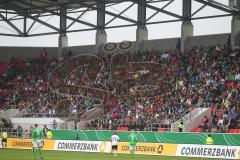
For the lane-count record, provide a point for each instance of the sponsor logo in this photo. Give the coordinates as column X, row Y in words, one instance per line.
column 83, row 146
column 208, row 151
column 102, row 146
column 27, row 143
column 0, row 143
column 77, row 146
column 160, row 149
column 21, row 144
column 239, row 154
column 145, row 148
column 149, row 148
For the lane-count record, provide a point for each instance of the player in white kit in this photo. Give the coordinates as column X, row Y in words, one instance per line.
column 114, row 139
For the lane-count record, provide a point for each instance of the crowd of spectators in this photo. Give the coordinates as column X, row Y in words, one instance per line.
column 145, row 89
column 200, row 77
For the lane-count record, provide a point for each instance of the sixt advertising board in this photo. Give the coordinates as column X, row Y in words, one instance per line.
column 208, row 151
column 82, row 146
column 149, row 148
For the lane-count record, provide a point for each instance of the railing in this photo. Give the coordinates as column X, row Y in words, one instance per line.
column 42, row 115
column 15, row 133
column 186, row 114
column 189, row 117
column 163, row 126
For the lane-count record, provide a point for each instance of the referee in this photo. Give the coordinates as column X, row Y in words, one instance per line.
column 4, row 139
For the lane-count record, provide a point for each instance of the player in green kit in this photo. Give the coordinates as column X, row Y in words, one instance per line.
column 37, row 141
column 132, row 143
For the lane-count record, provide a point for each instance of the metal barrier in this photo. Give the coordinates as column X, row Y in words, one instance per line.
column 163, row 126
column 42, row 115
column 15, row 133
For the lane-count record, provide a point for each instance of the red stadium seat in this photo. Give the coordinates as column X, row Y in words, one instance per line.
column 194, row 130
column 161, row 130
column 235, row 130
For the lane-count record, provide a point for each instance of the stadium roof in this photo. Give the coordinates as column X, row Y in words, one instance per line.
column 34, row 10
column 37, row 5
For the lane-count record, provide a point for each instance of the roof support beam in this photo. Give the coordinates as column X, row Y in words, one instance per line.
column 101, row 8
column 141, row 32
column 77, row 18
column 25, row 14
column 218, row 6
column 154, row 14
column 120, row 13
column 159, row 10
column 110, row 13
column 11, row 25
column 58, row 14
column 198, row 10
column 101, row 35
column 25, row 26
column 63, row 20
column 142, row 14
column 187, row 11
column 10, row 35
column 29, row 29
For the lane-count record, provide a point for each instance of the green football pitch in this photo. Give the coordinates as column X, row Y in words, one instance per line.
column 11, row 154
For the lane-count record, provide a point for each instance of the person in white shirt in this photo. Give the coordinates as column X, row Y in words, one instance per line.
column 114, row 140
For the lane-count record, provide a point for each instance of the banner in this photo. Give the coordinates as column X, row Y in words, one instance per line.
column 225, row 139
column 149, row 148
column 82, row 146
column 0, row 142
column 181, row 150
column 27, row 144
column 208, row 151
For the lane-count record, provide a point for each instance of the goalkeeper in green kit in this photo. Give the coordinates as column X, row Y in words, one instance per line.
column 37, row 141
column 132, row 143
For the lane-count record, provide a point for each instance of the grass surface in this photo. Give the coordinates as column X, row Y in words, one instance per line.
column 11, row 154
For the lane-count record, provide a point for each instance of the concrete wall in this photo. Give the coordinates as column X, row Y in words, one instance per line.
column 171, row 43
column 160, row 44
column 25, row 123
column 209, row 39
column 8, row 114
column 88, row 49
column 30, row 52
column 7, row 52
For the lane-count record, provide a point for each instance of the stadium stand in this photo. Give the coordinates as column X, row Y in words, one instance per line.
column 206, row 77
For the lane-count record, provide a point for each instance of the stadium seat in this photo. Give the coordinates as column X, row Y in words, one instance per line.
column 196, row 130
column 234, row 131
column 237, row 131
column 161, row 130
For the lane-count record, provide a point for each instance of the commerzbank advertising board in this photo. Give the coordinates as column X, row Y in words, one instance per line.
column 181, row 150
column 82, row 146
column 208, row 151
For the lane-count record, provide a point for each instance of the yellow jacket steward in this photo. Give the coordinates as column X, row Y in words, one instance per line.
column 4, row 135
column 209, row 140
column 180, row 124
